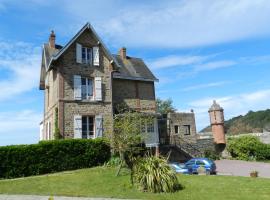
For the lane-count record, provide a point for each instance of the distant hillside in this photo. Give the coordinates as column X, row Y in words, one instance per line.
column 251, row 122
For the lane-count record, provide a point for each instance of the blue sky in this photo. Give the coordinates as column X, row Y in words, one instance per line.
column 199, row 49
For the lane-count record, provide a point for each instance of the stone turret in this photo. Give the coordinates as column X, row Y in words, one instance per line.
column 217, row 123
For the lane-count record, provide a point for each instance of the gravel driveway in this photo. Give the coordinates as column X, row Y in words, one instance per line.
column 242, row 168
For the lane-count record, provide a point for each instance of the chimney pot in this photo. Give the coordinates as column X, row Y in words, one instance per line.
column 123, row 53
column 52, row 39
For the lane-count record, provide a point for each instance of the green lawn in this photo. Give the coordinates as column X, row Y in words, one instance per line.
column 101, row 182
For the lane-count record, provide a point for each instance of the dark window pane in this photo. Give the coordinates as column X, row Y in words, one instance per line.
column 176, row 129
column 91, row 120
column 84, row 120
column 91, row 133
column 187, row 129
column 83, row 53
column 83, row 81
column 84, row 135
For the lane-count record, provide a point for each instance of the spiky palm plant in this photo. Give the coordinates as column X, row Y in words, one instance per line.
column 153, row 174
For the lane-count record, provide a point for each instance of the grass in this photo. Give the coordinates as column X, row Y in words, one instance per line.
column 101, row 182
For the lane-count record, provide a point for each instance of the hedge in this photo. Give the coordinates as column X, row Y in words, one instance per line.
column 52, row 156
column 248, row 148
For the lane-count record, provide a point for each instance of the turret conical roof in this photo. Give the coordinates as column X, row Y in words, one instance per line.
column 215, row 106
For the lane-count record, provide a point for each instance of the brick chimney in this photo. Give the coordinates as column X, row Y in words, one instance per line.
column 123, row 53
column 52, row 40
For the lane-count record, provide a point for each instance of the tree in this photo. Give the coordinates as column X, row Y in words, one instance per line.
column 128, row 136
column 165, row 106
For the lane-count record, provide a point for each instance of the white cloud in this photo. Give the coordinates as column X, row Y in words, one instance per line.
column 233, row 105
column 214, row 65
column 206, row 85
column 175, row 61
column 176, row 23
column 21, row 61
column 19, row 126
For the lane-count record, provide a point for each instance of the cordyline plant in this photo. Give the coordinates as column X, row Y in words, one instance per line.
column 127, row 137
column 153, row 174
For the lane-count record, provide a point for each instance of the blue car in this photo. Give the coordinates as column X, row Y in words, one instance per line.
column 179, row 168
column 193, row 165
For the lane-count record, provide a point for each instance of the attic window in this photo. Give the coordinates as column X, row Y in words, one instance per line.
column 87, row 55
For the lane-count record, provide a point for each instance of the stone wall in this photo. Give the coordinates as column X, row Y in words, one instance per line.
column 205, row 144
column 182, row 120
column 50, row 102
column 67, row 68
column 138, row 95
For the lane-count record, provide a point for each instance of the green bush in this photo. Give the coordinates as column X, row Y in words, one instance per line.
column 248, row 148
column 113, row 162
column 211, row 154
column 153, row 174
column 52, row 156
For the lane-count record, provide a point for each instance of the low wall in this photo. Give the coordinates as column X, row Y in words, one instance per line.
column 204, row 144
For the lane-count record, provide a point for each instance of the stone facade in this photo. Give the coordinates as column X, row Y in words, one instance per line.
column 137, row 95
column 177, row 125
column 59, row 89
column 68, row 67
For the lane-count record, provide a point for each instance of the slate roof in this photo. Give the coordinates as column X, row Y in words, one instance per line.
column 49, row 52
column 133, row 68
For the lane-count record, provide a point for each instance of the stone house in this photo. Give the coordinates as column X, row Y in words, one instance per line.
column 83, row 83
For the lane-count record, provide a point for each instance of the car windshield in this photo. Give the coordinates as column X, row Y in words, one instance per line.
column 210, row 161
column 190, row 162
column 178, row 165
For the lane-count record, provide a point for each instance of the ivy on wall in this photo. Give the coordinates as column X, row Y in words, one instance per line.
column 57, row 134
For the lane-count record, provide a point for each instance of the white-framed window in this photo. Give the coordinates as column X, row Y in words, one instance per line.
column 150, row 132
column 88, row 130
column 88, row 126
column 87, row 55
column 48, row 131
column 148, row 127
column 87, row 88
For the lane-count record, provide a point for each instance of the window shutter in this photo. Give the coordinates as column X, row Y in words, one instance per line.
column 77, row 87
column 96, row 56
column 78, row 53
column 98, row 89
column 99, row 125
column 77, row 126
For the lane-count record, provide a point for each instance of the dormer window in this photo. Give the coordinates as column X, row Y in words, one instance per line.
column 87, row 55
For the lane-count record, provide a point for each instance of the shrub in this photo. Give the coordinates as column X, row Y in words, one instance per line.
column 153, row 174
column 211, row 154
column 113, row 162
column 263, row 152
column 248, row 148
column 52, row 156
